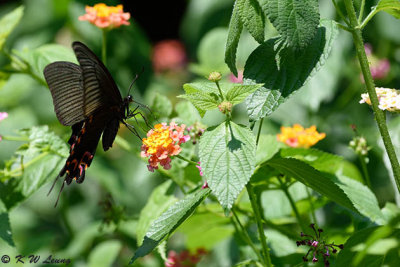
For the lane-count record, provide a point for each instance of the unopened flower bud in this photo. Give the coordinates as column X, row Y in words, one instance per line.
column 225, row 107
column 215, row 76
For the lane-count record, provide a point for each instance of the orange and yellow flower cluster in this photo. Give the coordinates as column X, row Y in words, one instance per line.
column 297, row 136
column 104, row 16
column 161, row 143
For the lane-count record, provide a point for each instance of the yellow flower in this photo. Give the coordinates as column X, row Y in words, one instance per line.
column 104, row 16
column 297, row 136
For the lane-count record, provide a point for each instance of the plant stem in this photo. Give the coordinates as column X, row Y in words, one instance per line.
column 259, row 131
column 379, row 114
column 260, row 228
column 285, row 190
column 104, row 47
column 365, row 171
column 339, row 11
column 15, row 138
column 245, row 235
column 187, row 160
column 361, row 14
column 220, row 91
column 313, row 217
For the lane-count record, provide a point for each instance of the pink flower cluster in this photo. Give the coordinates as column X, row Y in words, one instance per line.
column 161, row 143
column 184, row 258
column 104, row 16
column 379, row 67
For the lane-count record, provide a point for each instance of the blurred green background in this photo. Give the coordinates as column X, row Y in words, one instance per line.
column 329, row 100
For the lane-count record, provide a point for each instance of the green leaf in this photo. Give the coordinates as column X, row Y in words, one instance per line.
column 284, row 70
column 161, row 106
column 158, row 202
column 253, row 18
column 390, row 6
column 166, row 224
column 267, row 147
column 373, row 247
column 235, row 29
column 8, row 23
column 238, row 93
column 227, row 156
column 341, row 189
column 205, row 230
column 296, row 21
column 105, row 253
column 204, row 96
column 40, row 57
column 312, row 178
column 5, row 229
column 323, row 161
column 187, row 112
column 42, row 157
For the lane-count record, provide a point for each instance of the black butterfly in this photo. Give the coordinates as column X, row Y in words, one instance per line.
column 86, row 97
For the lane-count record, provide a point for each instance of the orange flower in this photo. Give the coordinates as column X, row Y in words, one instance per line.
column 162, row 143
column 104, row 16
column 297, row 136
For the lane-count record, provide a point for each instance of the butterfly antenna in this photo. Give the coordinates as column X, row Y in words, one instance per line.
column 54, row 183
column 134, row 80
column 59, row 194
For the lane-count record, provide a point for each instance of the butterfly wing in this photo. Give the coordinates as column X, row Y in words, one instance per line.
column 66, row 87
column 99, row 87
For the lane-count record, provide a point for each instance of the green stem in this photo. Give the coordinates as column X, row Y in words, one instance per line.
column 259, row 131
column 361, row 14
column 187, row 160
column 379, row 114
column 15, row 138
column 339, row 11
column 260, row 228
column 220, row 91
column 365, row 171
column 104, row 47
column 313, row 217
column 285, row 190
column 20, row 170
column 245, row 235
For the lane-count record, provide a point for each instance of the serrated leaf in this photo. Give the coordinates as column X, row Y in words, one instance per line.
column 235, row 29
column 267, row 147
column 202, row 102
column 187, row 112
column 296, row 21
column 323, row 161
column 8, row 23
column 161, row 106
column 390, row 6
column 341, row 189
column 373, row 247
column 227, row 156
column 5, row 229
column 159, row 200
column 312, row 178
column 166, row 224
column 238, row 93
column 42, row 157
column 252, row 17
column 104, row 254
column 284, row 70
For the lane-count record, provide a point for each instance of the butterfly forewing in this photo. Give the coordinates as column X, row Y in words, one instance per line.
column 66, row 87
column 99, row 87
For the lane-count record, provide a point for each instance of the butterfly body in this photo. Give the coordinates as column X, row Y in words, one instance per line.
column 86, row 98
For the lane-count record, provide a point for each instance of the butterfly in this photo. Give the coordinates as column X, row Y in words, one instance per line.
column 86, row 98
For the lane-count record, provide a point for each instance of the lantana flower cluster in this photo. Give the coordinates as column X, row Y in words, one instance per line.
column 389, row 99
column 162, row 143
column 104, row 16
column 297, row 136
column 318, row 246
column 379, row 67
column 184, row 258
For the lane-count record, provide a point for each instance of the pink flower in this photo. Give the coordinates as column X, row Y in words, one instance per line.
column 379, row 67
column 198, row 167
column 104, row 16
column 168, row 55
column 3, row 115
column 184, row 258
column 238, row 79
